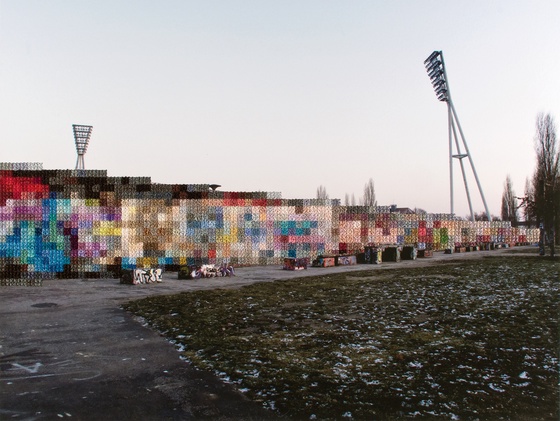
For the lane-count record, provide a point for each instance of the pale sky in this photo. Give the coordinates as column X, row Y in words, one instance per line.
column 282, row 95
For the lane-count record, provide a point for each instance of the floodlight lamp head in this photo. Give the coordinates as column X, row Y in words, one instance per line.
column 436, row 72
column 82, row 134
column 432, row 57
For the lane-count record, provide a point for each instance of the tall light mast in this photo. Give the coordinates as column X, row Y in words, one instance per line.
column 435, row 67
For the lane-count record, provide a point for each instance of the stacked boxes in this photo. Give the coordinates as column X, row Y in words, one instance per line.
column 75, row 224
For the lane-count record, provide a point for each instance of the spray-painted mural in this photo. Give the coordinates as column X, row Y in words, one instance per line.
column 82, row 223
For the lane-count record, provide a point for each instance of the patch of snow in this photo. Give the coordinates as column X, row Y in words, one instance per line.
column 495, row 387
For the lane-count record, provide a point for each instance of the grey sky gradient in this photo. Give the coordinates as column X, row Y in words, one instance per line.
column 281, row 95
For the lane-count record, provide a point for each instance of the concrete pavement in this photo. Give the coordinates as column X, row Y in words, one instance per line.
column 68, row 351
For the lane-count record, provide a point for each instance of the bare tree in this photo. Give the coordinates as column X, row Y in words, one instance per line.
column 545, row 179
column 369, row 194
column 349, row 200
column 509, row 203
column 482, row 216
column 322, row 192
column 478, row 216
column 528, row 203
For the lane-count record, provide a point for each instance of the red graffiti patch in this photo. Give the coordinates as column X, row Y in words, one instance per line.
column 21, row 187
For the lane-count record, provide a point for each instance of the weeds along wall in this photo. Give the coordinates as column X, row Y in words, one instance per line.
column 75, row 224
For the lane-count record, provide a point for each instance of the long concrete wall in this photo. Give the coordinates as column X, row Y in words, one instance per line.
column 67, row 224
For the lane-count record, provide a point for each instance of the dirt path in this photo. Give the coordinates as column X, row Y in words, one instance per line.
column 67, row 350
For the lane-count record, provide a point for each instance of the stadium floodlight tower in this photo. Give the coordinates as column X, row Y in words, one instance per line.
column 82, row 135
column 435, row 67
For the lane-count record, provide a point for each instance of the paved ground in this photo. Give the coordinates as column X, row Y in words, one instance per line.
column 67, row 350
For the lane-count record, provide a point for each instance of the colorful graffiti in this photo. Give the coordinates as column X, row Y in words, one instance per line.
column 75, row 224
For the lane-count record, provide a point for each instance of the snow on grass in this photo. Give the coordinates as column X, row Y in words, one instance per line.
column 460, row 341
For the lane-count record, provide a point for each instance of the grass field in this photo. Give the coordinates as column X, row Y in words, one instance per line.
column 473, row 339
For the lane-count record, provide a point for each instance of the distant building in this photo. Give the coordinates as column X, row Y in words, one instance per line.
column 404, row 211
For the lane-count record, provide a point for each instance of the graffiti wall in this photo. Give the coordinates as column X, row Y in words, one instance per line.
column 75, row 224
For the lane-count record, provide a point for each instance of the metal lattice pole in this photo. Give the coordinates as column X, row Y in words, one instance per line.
column 435, row 67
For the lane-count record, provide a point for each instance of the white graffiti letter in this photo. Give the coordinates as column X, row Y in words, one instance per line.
column 33, row 369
